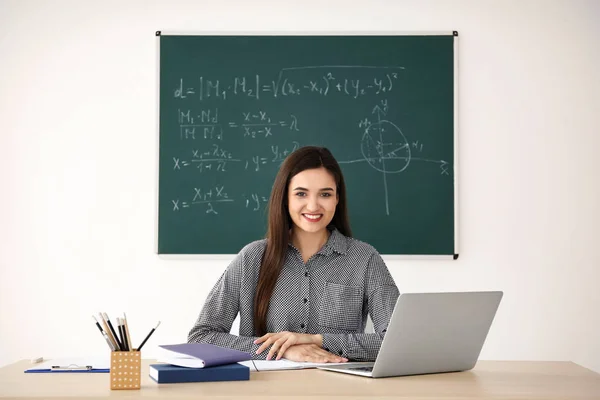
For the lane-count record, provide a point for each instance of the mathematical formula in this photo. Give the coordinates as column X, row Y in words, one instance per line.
column 213, row 197
column 205, row 124
column 206, row 121
column 328, row 80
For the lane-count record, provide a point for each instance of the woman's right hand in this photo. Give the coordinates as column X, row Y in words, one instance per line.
column 311, row 353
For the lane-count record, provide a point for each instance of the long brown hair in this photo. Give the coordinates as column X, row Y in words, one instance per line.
column 280, row 222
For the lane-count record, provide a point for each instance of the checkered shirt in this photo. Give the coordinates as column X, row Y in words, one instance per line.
column 331, row 294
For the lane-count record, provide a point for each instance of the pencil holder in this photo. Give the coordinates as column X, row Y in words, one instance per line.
column 125, row 370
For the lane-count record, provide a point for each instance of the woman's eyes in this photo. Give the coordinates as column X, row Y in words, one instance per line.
column 303, row 194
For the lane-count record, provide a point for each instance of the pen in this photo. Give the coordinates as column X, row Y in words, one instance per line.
column 112, row 330
column 147, row 337
column 122, row 333
column 110, row 344
column 108, row 332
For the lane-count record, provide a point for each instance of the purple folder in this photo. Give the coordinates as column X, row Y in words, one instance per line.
column 211, row 355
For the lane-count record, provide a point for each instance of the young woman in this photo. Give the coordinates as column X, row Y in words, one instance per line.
column 305, row 291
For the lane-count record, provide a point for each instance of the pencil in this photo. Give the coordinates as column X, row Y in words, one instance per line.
column 148, row 337
column 122, row 333
column 127, row 338
column 112, row 330
column 110, row 344
column 108, row 332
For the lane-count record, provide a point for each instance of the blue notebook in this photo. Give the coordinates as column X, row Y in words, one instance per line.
column 166, row 373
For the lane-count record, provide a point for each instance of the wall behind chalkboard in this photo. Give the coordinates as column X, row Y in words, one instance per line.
column 233, row 107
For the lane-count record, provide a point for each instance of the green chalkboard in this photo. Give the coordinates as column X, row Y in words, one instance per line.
column 232, row 107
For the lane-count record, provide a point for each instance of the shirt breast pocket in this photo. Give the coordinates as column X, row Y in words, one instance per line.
column 341, row 307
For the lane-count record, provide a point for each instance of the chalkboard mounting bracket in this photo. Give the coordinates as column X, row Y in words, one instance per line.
column 455, row 256
column 157, row 33
column 455, row 33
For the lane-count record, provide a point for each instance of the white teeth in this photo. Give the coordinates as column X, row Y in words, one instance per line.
column 313, row 216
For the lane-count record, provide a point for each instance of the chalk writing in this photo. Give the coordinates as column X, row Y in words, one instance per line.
column 385, row 147
column 328, row 80
column 205, row 120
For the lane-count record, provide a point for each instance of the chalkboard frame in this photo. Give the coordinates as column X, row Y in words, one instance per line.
column 386, row 256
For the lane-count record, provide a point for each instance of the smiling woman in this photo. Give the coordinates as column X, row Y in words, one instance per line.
column 304, row 292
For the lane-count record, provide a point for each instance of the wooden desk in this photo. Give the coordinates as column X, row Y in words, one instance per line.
column 488, row 380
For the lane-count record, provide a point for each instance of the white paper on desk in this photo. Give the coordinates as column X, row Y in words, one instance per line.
column 280, row 365
column 95, row 362
column 182, row 361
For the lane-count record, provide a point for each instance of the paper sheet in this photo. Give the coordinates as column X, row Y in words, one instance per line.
column 280, row 365
column 182, row 361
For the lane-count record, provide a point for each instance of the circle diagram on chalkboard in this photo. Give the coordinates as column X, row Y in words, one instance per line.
column 385, row 147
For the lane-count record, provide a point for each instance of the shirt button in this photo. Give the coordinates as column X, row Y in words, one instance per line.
column 305, row 300
column 305, row 273
column 341, row 352
column 302, row 326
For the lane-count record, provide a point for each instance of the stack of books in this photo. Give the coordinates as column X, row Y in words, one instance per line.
column 200, row 362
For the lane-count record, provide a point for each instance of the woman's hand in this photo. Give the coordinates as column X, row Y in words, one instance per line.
column 311, row 353
column 280, row 342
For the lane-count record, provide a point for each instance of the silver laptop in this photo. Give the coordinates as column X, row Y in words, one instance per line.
column 431, row 333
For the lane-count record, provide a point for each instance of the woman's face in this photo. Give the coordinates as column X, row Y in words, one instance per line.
column 312, row 198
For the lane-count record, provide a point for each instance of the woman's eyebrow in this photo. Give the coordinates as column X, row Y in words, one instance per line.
column 327, row 189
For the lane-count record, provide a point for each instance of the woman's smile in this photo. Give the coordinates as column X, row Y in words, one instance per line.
column 313, row 217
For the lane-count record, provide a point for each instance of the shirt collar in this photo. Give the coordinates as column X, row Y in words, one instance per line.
column 336, row 242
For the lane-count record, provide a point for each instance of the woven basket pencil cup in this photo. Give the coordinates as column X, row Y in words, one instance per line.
column 125, row 370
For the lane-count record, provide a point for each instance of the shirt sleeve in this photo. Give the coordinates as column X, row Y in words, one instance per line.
column 381, row 295
column 220, row 310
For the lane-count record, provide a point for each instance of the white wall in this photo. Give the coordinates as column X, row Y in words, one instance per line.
column 78, row 167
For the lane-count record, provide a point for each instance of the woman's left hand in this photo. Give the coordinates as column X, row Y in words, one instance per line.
column 281, row 341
